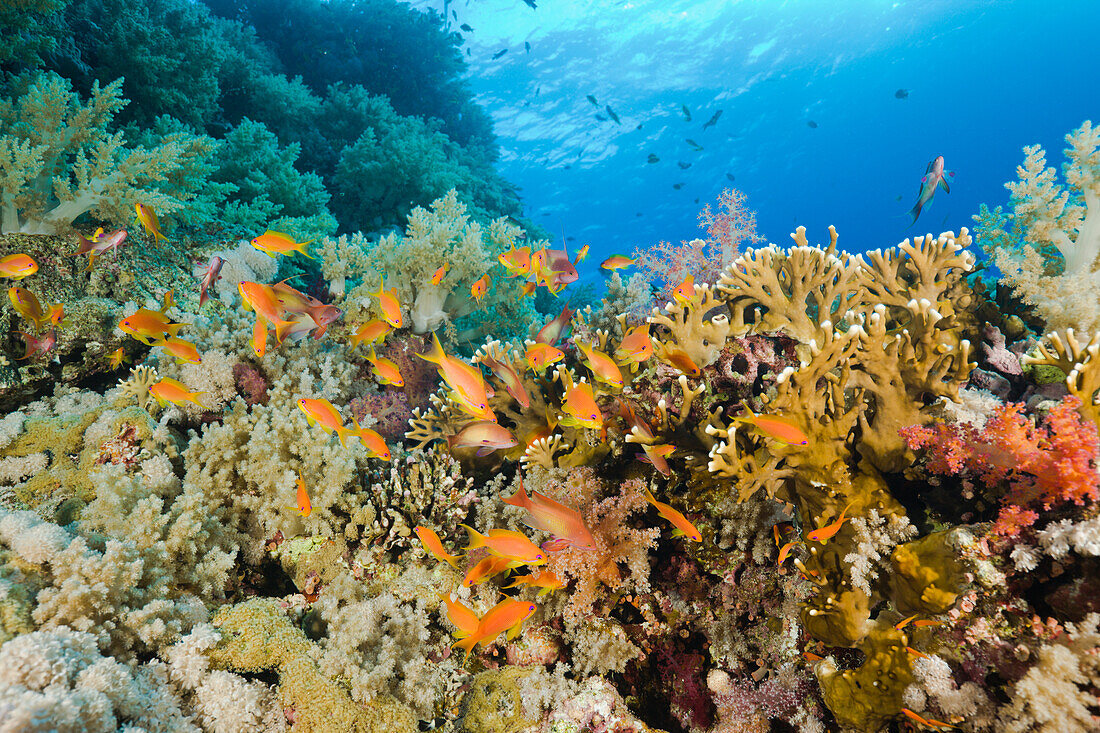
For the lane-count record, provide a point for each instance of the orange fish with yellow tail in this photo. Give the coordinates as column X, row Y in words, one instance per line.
column 506, row 543
column 184, row 351
column 552, row 332
column 603, row 367
column 468, row 388
column 479, row 288
column 305, row 506
column 678, row 520
column 545, row 581
column 387, row 300
column 580, row 408
column 437, row 276
column 616, row 262
column 273, row 244
column 636, row 346
column 540, row 356
column 370, row 332
column 508, row 615
column 461, row 615
column 517, row 261
column 657, row 455
column 434, row 545
column 171, row 390
column 512, row 383
column 486, row 569
column 386, row 370
column 149, row 221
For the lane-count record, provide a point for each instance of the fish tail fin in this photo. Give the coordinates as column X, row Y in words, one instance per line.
column 519, row 498
column 85, row 246
column 282, row 328
column 649, row 495
column 194, row 398
column 915, row 212
column 436, row 355
column 467, row 645
column 301, row 249
column 342, row 433
column 476, row 539
column 173, row 328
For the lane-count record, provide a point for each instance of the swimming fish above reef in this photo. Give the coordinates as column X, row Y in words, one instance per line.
column 99, row 244
column 934, row 177
column 434, row 545
column 685, row 112
column 683, row 526
column 171, row 390
column 592, row 99
column 902, row 94
column 148, row 218
column 466, row 27
column 499, row 53
column 693, row 145
column 611, row 113
column 713, row 120
column 274, row 243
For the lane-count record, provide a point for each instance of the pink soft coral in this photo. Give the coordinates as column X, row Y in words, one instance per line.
column 1043, row 464
column 727, row 226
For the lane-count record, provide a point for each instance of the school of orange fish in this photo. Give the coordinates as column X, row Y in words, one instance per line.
column 288, row 313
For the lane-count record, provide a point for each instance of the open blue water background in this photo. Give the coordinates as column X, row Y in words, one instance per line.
column 984, row 79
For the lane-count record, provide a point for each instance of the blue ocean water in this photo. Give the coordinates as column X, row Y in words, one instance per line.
column 982, row 80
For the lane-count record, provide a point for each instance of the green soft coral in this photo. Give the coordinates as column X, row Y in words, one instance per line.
column 59, row 161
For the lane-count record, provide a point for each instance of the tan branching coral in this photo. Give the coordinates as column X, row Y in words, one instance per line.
column 1080, row 362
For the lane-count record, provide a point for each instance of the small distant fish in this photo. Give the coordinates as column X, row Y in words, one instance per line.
column 499, row 53
column 582, row 254
column 684, row 528
column 639, row 126
column 694, row 145
column 115, row 357
column 731, row 177
column 934, row 177
column 537, row 90
column 601, row 118
column 617, row 262
column 902, row 94
column 469, row 53
column 530, row 4
column 653, row 159
column 432, row 544
column 713, row 120
column 686, row 112
column 479, row 288
column 811, row 124
column 683, row 166
column 17, row 266
column 677, row 186
column 638, row 214
column 391, row 309
column 527, row 46
column 592, row 99
column 213, row 272
column 611, row 113
column 466, row 27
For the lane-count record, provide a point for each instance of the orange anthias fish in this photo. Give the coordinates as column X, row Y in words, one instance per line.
column 679, row 521
column 37, row 345
column 27, row 305
column 324, row 413
column 265, row 301
column 149, row 221
column 616, row 262
column 638, row 426
column 17, row 266
column 555, row 329
column 184, row 351
column 554, row 517
column 461, row 615
column 508, row 615
column 780, row 428
column 386, row 371
column 582, row 255
column 99, row 244
column 822, row 534
column 437, row 276
column 274, row 244
column 485, row 435
column 545, row 580
column 259, row 337
column 434, row 545
column 149, row 326
column 679, row 359
column 785, row 550
column 528, row 289
column 540, row 356
column 580, row 408
column 55, row 313
column 305, row 506
column 515, row 546
column 487, row 568
column 658, row 456
column 916, row 717
column 636, row 346
column 684, row 292
column 170, row 390
column 370, row 333
column 467, row 385
column 299, row 303
column 905, row 622
column 512, row 382
column 114, row 359
column 517, row 261
column 479, row 288
column 603, row 366
column 372, row 441
column 391, row 309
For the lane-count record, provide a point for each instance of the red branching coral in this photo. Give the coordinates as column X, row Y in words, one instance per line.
column 619, row 546
column 1043, row 464
column 251, row 383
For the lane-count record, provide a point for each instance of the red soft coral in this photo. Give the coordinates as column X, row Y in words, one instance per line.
column 1043, row 464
